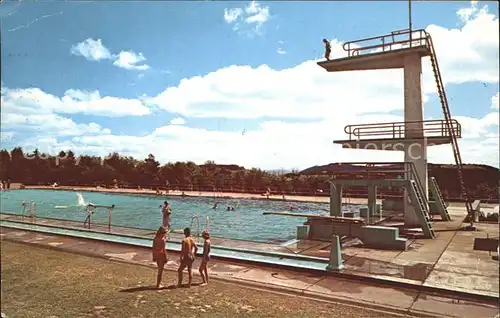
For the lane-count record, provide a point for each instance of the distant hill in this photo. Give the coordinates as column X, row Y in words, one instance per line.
column 343, row 167
column 482, row 179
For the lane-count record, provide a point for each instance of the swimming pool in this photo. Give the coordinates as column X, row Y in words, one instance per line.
column 142, row 211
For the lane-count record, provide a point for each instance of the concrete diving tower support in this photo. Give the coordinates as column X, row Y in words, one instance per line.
column 400, row 49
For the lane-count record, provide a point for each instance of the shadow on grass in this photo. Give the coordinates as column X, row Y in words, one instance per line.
column 192, row 285
column 151, row 287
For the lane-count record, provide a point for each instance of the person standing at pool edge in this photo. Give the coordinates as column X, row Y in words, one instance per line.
column 166, row 212
column 160, row 253
column 205, row 257
column 188, row 252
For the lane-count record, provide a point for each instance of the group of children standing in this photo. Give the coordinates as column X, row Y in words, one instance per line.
column 188, row 251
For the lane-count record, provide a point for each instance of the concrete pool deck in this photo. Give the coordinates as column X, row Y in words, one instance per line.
column 447, row 263
column 367, row 294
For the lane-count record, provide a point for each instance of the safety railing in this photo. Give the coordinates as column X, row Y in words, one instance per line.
column 395, row 130
column 387, row 168
column 390, row 170
column 394, row 41
column 90, row 210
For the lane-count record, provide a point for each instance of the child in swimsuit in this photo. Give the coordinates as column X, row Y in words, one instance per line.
column 205, row 257
column 160, row 253
column 188, row 252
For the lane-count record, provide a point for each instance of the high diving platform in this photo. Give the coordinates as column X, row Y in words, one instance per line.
column 380, row 52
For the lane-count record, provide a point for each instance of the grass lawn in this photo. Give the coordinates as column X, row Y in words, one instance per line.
column 38, row 282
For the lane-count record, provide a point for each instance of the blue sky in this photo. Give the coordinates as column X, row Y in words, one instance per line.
column 182, row 40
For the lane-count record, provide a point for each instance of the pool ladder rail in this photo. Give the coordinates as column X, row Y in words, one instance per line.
column 195, row 220
column 91, row 208
column 31, row 207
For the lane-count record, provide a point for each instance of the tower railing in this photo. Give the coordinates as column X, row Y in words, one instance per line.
column 398, row 130
column 394, row 41
column 406, row 170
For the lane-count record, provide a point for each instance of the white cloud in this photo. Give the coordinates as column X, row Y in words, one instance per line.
column 177, row 121
column 130, row 60
column 324, row 102
column 7, row 136
column 466, row 13
column 271, row 145
column 254, row 15
column 478, row 127
column 33, row 101
column 231, row 15
column 469, row 53
column 94, row 50
column 30, row 118
column 280, row 49
column 494, row 102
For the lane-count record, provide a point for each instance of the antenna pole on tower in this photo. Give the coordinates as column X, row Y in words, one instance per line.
column 409, row 21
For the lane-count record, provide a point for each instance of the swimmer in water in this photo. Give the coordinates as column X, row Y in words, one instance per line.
column 215, row 206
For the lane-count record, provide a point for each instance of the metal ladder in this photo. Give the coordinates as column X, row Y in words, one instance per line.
column 31, row 206
column 438, row 198
column 421, row 209
column 89, row 209
column 449, row 126
column 195, row 220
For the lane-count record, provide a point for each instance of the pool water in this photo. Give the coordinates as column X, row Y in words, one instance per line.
column 143, row 211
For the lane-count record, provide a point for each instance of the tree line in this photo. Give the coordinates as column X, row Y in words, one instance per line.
column 67, row 169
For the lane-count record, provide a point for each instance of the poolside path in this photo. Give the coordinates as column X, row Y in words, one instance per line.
column 366, row 294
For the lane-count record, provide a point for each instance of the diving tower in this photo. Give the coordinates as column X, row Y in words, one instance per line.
column 403, row 49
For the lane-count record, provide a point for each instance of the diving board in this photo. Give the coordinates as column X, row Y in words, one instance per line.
column 315, row 216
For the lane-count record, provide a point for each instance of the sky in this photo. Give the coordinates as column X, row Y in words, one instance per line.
column 234, row 82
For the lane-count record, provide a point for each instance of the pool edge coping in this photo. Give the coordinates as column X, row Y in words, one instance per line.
column 305, row 258
column 236, row 258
